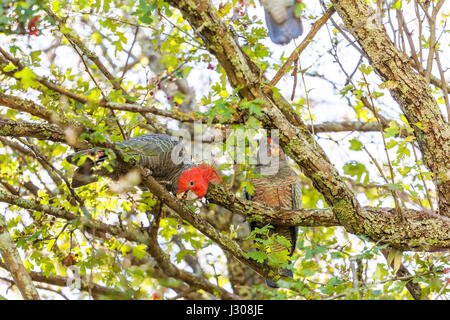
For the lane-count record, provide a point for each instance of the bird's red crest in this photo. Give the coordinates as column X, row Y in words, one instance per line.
column 209, row 173
column 197, row 179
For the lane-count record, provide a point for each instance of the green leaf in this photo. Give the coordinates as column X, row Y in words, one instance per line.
column 355, row 145
column 397, row 5
column 278, row 258
column 356, row 169
column 298, row 9
column 124, row 249
column 348, row 88
column 392, row 130
column 259, row 256
column 391, row 143
column 377, row 94
column 35, row 55
column 365, row 69
column 394, row 258
column 27, row 77
column 9, row 67
column 140, row 251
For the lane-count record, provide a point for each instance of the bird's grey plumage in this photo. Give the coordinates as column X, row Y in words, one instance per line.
column 163, row 155
column 282, row 24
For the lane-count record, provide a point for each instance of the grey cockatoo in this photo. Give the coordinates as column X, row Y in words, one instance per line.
column 280, row 190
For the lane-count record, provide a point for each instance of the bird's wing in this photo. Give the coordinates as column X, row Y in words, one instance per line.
column 296, row 204
column 162, row 154
column 297, row 195
column 149, row 145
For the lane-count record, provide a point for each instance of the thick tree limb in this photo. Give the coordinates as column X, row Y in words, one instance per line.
column 31, row 107
column 96, row 289
column 42, row 131
column 411, row 91
column 423, row 231
column 298, row 51
column 129, row 232
column 12, row 259
column 26, row 106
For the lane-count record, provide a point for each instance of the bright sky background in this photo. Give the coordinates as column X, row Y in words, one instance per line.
column 326, row 104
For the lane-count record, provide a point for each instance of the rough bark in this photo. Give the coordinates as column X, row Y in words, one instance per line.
column 29, row 106
column 43, row 131
column 12, row 259
column 294, row 135
column 295, row 138
column 422, row 231
column 410, row 90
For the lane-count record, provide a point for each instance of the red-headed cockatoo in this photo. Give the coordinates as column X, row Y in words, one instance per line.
column 163, row 155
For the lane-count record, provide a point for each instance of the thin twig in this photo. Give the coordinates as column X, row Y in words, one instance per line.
column 302, row 72
column 296, row 53
column 444, row 84
column 391, row 170
column 421, row 176
column 125, row 68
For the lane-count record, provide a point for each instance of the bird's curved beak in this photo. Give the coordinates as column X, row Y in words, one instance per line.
column 187, row 196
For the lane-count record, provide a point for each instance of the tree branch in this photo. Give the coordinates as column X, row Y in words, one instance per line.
column 41, row 131
column 129, row 232
column 423, row 231
column 298, row 51
column 61, row 281
column 12, row 259
column 411, row 91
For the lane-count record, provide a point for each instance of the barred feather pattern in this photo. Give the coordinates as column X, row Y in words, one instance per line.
column 163, row 155
column 281, row 191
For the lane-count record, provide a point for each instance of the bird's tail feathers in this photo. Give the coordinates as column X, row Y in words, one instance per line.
column 84, row 174
column 98, row 155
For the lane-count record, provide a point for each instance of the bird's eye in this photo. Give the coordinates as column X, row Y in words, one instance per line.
column 191, row 183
